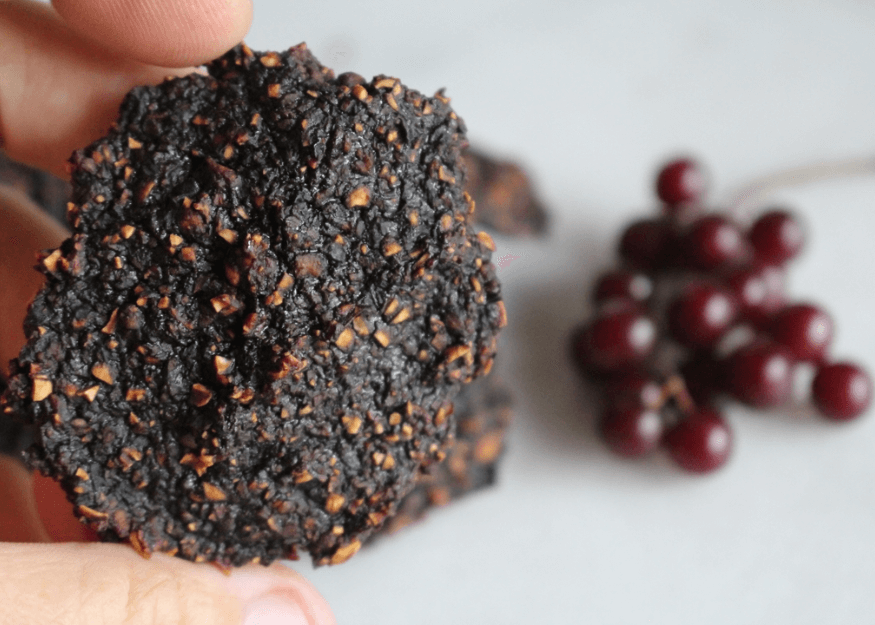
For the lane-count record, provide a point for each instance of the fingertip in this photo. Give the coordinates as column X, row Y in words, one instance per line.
column 167, row 33
column 278, row 594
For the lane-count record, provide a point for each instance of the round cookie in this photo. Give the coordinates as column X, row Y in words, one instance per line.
column 252, row 340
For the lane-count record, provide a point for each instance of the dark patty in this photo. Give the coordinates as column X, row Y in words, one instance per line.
column 251, row 342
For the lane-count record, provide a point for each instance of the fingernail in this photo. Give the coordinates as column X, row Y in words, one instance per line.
column 279, row 607
column 277, row 596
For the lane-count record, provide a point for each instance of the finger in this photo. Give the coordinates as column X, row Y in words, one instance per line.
column 99, row 584
column 58, row 92
column 24, row 230
column 161, row 32
column 19, row 517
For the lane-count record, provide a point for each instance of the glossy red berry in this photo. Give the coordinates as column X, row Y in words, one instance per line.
column 777, row 236
column 623, row 285
column 759, row 375
column 701, row 442
column 805, row 330
column 630, row 430
column 645, row 244
column 759, row 292
column 633, row 388
column 615, row 340
column 841, row 391
column 681, row 181
column 701, row 315
column 714, row 242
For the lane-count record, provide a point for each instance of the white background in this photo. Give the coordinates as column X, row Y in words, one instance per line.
column 591, row 96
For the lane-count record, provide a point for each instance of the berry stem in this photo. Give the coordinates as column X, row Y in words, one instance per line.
column 753, row 194
column 675, row 387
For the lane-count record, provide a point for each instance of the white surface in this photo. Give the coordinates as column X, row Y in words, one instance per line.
column 591, row 96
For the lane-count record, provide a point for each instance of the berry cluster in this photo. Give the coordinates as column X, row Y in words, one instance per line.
column 698, row 311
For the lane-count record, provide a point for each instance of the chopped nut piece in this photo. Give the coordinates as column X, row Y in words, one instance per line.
column 486, row 240
column 228, row 235
column 390, row 248
column 50, row 262
column 271, row 59
column 382, row 337
column 360, row 196
column 222, row 364
column 273, row 90
column 135, row 394
column 214, row 493
column 502, row 315
column 128, row 231
column 457, row 351
column 386, row 83
column 200, row 463
column 134, row 144
column 200, row 395
column 303, row 477
column 360, row 92
column 42, row 388
column 334, row 503
column 101, row 372
column 91, row 513
column 346, row 552
column 285, row 282
column 90, row 393
column 344, row 339
column 445, row 176
column 361, row 326
column 352, row 424
column 404, row 315
column 488, row 448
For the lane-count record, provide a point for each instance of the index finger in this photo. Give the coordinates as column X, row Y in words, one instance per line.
column 169, row 33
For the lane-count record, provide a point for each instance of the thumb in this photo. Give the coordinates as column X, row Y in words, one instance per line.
column 101, row 584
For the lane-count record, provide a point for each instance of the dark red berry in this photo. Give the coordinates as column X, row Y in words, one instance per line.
column 777, row 236
column 623, row 285
column 758, row 291
column 681, row 181
column 631, row 430
column 701, row 442
column 633, row 388
column 701, row 315
column 841, row 391
column 645, row 244
column 805, row 330
column 760, row 374
column 615, row 340
column 714, row 242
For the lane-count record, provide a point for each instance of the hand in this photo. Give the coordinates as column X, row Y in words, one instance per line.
column 60, row 90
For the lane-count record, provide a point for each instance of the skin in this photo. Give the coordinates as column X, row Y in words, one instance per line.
column 60, row 88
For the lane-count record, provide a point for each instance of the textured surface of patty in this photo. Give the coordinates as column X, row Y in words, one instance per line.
column 483, row 414
column 252, row 340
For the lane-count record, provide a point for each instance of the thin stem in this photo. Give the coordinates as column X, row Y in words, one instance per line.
column 752, row 195
column 676, row 389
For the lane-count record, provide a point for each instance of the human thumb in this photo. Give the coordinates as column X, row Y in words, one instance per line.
column 103, row 584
